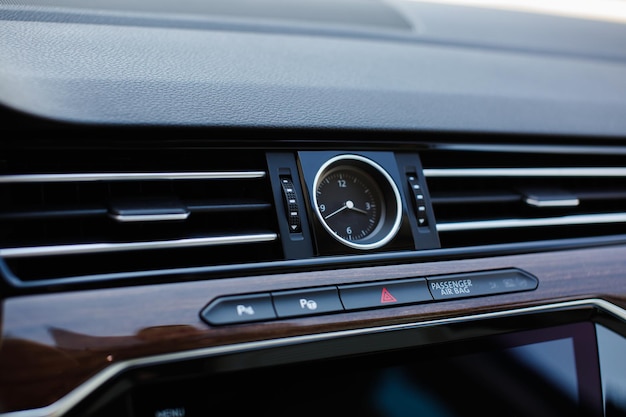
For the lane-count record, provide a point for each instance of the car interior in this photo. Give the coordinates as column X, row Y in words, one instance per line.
column 312, row 207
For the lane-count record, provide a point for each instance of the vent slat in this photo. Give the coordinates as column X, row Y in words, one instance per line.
column 129, row 176
column 479, row 204
column 92, row 211
column 600, row 195
column 539, row 222
column 51, row 214
column 478, row 198
column 560, row 172
column 86, row 213
column 134, row 246
column 230, row 205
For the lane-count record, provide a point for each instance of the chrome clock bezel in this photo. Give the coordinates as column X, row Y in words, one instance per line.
column 391, row 210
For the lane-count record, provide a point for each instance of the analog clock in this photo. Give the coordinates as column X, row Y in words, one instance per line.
column 357, row 202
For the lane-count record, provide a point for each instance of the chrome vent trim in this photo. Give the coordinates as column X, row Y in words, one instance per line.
column 150, row 217
column 119, row 247
column 524, row 172
column 131, row 176
column 564, row 202
column 531, row 203
column 73, row 222
column 513, row 223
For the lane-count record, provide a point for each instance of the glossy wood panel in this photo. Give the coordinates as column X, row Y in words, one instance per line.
column 52, row 343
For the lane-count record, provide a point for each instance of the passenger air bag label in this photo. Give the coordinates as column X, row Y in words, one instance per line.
column 461, row 286
column 480, row 283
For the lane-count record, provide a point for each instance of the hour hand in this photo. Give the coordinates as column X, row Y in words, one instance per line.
column 350, row 205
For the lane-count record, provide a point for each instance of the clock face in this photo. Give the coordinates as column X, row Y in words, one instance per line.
column 357, row 202
column 350, row 203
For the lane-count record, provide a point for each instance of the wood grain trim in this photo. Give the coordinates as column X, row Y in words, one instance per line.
column 52, row 343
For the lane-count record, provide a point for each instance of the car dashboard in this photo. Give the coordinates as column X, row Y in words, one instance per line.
column 347, row 207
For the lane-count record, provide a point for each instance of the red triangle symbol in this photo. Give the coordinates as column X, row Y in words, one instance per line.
column 386, row 297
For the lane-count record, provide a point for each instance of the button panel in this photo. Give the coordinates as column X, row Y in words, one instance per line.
column 291, row 205
column 249, row 308
column 419, row 202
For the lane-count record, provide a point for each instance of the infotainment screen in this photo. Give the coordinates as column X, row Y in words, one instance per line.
column 543, row 372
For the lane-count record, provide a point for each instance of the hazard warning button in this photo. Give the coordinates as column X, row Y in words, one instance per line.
column 384, row 294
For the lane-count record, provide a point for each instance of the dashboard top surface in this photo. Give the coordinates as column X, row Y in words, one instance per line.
column 341, row 65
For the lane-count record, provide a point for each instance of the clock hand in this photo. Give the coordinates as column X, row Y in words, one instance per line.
column 350, row 206
column 340, row 209
column 359, row 210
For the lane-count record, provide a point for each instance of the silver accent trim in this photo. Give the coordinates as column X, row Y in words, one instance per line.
column 149, row 217
column 548, row 221
column 65, row 404
column 566, row 202
column 524, row 172
column 126, row 176
column 543, row 149
column 117, row 247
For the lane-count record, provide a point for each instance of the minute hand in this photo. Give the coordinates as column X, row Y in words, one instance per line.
column 339, row 210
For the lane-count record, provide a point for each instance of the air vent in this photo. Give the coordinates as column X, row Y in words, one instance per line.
column 496, row 198
column 108, row 213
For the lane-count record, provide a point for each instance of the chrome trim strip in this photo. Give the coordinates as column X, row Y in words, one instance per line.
column 548, row 221
column 118, row 247
column 539, row 149
column 126, row 176
column 524, row 172
column 566, row 202
column 65, row 404
column 149, row 217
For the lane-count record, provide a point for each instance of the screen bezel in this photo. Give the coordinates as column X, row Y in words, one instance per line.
column 263, row 356
column 339, row 383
